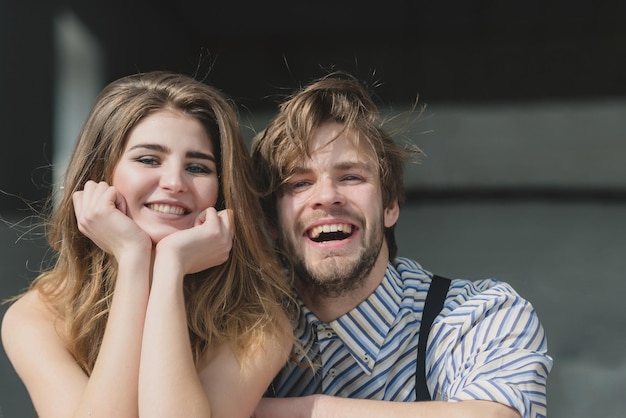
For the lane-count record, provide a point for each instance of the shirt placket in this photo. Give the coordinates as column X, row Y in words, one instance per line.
column 329, row 345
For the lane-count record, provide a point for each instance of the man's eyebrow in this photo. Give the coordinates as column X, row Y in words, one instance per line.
column 340, row 166
column 164, row 149
column 299, row 170
column 349, row 165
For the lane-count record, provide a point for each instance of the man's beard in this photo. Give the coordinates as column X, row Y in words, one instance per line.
column 333, row 277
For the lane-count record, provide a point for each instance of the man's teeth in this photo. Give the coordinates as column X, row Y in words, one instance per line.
column 174, row 210
column 345, row 228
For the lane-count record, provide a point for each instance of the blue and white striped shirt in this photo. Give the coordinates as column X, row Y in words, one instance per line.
column 486, row 344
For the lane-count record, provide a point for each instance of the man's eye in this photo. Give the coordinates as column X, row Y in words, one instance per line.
column 351, row 178
column 297, row 186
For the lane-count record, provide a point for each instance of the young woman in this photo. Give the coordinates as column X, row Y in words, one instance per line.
column 164, row 299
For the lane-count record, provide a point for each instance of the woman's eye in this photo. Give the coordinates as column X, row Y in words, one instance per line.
column 199, row 169
column 147, row 160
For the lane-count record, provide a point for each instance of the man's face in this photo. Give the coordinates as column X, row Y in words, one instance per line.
column 331, row 219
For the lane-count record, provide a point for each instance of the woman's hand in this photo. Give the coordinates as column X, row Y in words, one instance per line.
column 101, row 215
column 206, row 244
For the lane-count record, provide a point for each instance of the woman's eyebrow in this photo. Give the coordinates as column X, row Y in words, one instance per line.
column 200, row 155
column 154, row 147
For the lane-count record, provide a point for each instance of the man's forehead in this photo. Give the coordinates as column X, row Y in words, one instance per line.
column 340, row 154
column 330, row 132
column 331, row 144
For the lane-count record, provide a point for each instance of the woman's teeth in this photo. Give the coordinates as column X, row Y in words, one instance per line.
column 169, row 209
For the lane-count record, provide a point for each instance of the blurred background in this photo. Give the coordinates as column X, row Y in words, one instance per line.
column 523, row 114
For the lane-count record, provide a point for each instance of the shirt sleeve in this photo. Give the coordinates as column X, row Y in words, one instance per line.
column 488, row 344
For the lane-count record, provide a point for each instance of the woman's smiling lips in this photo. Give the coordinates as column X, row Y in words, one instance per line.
column 167, row 208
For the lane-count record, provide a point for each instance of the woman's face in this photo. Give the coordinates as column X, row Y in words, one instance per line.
column 167, row 173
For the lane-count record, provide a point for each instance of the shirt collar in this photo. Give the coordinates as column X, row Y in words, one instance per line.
column 363, row 330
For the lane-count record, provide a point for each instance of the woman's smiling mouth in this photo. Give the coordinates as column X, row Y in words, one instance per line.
column 168, row 209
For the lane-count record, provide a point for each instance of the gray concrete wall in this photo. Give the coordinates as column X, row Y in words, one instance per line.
column 561, row 244
column 565, row 254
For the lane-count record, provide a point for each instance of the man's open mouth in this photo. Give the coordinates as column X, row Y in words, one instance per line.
column 330, row 232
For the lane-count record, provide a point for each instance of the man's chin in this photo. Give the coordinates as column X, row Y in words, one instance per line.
column 330, row 269
column 332, row 263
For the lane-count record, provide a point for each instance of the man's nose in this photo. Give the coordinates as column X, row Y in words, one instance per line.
column 327, row 193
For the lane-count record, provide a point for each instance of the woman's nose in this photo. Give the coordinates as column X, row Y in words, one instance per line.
column 173, row 179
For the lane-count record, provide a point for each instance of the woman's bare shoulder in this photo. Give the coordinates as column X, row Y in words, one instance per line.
column 28, row 320
column 29, row 307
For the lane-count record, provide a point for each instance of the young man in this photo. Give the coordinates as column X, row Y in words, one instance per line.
column 332, row 181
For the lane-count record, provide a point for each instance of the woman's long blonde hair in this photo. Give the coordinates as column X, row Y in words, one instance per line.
column 234, row 303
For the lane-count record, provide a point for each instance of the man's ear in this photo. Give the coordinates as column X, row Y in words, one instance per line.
column 392, row 213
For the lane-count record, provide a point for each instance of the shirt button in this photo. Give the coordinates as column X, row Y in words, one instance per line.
column 366, row 358
column 329, row 334
column 332, row 372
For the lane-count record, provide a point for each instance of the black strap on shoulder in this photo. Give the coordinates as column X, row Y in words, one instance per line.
column 432, row 306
